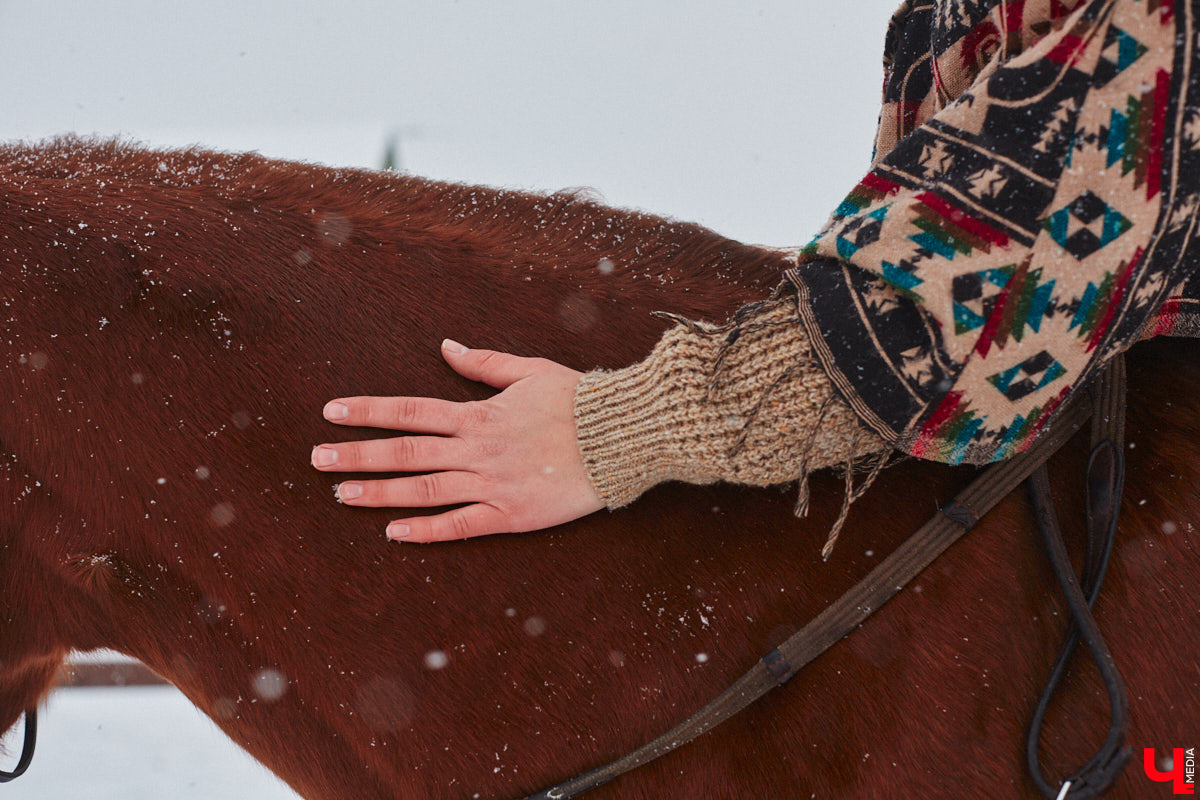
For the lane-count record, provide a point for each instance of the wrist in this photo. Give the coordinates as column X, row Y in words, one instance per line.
column 745, row 402
column 628, row 421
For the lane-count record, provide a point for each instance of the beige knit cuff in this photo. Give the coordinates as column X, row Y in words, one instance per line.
column 745, row 402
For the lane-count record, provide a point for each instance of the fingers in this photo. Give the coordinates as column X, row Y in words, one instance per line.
column 496, row 369
column 413, row 414
column 399, row 454
column 417, row 491
column 483, row 456
column 461, row 523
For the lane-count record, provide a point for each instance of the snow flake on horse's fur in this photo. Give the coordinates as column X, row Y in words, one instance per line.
column 269, row 684
column 95, row 571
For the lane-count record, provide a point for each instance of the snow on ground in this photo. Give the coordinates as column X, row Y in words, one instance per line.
column 134, row 743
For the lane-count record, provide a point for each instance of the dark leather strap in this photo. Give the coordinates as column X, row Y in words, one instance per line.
column 848, row 611
column 1105, row 480
column 30, row 741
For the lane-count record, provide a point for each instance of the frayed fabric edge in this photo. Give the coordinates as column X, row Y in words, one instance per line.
column 872, row 464
column 851, row 494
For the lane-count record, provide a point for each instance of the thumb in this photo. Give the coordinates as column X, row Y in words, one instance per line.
column 496, row 369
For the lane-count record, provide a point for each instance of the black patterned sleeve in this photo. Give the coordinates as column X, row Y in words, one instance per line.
column 1014, row 232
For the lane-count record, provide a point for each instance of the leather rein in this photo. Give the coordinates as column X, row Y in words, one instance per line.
column 27, row 745
column 1105, row 480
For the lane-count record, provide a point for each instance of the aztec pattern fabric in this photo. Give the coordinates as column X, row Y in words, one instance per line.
column 1031, row 212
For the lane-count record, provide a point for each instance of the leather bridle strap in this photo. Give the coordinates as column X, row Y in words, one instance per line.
column 1105, row 480
column 27, row 746
column 848, row 611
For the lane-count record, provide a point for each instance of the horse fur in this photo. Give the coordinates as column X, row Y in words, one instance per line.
column 174, row 322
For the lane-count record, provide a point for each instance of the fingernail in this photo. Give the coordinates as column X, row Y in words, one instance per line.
column 324, row 456
column 454, row 347
column 349, row 491
column 397, row 530
column 335, row 411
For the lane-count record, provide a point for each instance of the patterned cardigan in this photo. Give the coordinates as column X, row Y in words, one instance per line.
column 1030, row 212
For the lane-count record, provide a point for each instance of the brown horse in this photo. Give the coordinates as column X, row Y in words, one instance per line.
column 173, row 323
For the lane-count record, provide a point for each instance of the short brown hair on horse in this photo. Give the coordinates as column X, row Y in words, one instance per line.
column 168, row 342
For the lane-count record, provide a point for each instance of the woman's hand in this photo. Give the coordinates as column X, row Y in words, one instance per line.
column 513, row 457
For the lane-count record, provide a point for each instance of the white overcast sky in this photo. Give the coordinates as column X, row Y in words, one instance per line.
column 754, row 118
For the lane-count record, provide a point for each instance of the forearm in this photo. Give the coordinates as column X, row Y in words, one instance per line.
column 745, row 403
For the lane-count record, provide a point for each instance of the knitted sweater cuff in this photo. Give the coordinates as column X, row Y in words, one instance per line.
column 745, row 402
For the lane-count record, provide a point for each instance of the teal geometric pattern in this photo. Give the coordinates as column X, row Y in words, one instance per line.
column 903, row 279
column 1118, row 133
column 1120, row 50
column 975, row 296
column 1026, row 301
column 1085, row 225
column 860, row 232
column 1027, row 377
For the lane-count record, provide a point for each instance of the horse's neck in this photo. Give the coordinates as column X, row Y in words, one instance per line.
column 179, row 383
